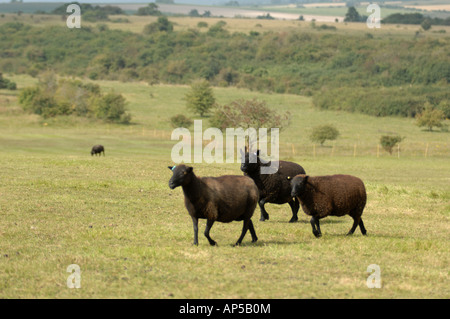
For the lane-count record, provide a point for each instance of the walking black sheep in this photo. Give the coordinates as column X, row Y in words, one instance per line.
column 273, row 188
column 223, row 199
column 98, row 149
column 335, row 195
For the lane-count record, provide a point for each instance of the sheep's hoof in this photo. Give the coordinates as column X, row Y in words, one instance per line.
column 317, row 234
column 293, row 219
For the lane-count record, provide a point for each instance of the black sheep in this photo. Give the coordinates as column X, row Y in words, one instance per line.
column 273, row 188
column 335, row 195
column 98, row 149
column 223, row 199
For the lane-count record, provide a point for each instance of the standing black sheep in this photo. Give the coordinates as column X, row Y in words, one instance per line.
column 98, row 149
column 223, row 199
column 273, row 188
column 335, row 195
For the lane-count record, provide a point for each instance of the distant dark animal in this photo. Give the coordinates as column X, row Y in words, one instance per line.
column 98, row 149
column 223, row 199
column 273, row 188
column 335, row 195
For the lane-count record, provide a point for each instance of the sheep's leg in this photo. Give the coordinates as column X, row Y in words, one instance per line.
column 195, row 223
column 264, row 214
column 209, row 224
column 252, row 232
column 356, row 220
column 361, row 227
column 315, row 223
column 318, row 226
column 295, row 205
column 245, row 227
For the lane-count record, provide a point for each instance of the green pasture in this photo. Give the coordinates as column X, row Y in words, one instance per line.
column 116, row 217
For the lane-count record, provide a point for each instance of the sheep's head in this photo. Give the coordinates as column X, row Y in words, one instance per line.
column 250, row 161
column 182, row 175
column 298, row 184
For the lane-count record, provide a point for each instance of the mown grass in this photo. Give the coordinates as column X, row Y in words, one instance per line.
column 130, row 234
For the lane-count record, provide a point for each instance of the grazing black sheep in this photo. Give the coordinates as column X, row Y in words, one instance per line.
column 335, row 195
column 223, row 199
column 273, row 188
column 98, row 149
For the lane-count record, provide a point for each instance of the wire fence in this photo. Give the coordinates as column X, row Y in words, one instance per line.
column 407, row 149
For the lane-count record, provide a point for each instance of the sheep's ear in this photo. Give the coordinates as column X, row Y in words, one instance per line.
column 189, row 169
column 257, row 153
column 170, row 167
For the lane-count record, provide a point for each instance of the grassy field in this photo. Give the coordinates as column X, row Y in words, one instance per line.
column 116, row 217
column 137, row 23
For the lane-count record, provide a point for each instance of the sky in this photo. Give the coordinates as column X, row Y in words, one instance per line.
column 210, row 2
column 202, row 2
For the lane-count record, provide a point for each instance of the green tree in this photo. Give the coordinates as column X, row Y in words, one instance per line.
column 388, row 142
column 352, row 15
column 426, row 24
column 430, row 117
column 162, row 25
column 200, row 99
column 322, row 133
column 150, row 10
column 248, row 113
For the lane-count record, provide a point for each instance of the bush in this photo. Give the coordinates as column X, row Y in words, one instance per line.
column 180, row 120
column 388, row 142
column 65, row 97
column 111, row 107
column 324, row 132
column 7, row 84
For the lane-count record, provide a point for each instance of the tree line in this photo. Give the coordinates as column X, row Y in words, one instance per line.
column 350, row 70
